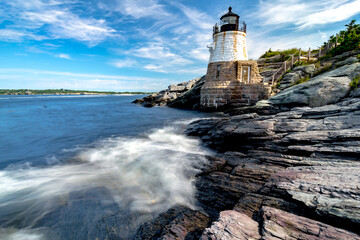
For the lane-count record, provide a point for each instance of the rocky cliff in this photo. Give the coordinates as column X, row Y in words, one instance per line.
column 286, row 168
column 183, row 95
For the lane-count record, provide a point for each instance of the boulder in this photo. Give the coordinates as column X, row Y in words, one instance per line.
column 305, row 69
column 355, row 92
column 191, row 98
column 347, row 61
column 176, row 88
column 324, row 89
column 330, row 189
column 178, row 222
column 278, row 224
column 187, row 92
column 232, row 225
column 289, row 79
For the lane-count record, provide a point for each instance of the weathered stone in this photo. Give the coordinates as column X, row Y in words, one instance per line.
column 319, row 92
column 279, row 224
column 329, row 189
column 232, row 225
column 347, row 61
column 176, row 88
column 183, row 95
column 355, row 92
column 225, row 87
column 305, row 69
column 191, row 98
column 289, row 80
column 324, row 89
column 177, row 223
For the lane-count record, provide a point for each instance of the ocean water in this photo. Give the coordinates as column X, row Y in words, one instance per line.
column 91, row 167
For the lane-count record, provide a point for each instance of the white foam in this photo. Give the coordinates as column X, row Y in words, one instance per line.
column 150, row 172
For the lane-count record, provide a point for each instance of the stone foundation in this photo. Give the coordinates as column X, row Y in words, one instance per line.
column 232, row 84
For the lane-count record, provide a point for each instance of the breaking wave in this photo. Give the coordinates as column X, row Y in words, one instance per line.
column 140, row 176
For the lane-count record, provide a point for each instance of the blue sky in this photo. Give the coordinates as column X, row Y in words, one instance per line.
column 131, row 45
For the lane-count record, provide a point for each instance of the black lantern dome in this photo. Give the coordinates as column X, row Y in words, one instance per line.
column 230, row 22
column 230, row 15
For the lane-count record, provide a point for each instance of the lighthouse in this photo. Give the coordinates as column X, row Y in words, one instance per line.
column 231, row 80
column 229, row 39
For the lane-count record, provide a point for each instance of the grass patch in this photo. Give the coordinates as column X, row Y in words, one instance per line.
column 354, row 84
column 323, row 69
column 302, row 80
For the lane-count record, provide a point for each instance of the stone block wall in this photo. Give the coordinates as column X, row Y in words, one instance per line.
column 226, row 89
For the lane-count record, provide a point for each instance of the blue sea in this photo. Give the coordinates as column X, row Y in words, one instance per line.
column 91, row 167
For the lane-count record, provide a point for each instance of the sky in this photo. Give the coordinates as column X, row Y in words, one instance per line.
column 145, row 45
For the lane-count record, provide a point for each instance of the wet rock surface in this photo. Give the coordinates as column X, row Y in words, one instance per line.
column 178, row 222
column 286, row 168
column 290, row 175
column 232, row 225
column 183, row 95
column 279, row 224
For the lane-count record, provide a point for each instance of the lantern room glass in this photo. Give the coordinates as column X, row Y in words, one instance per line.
column 229, row 20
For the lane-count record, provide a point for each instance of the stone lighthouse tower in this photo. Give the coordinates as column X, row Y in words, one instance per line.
column 231, row 80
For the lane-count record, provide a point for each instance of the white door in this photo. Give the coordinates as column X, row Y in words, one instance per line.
column 245, row 74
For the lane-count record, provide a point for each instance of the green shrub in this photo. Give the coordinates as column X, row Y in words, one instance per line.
column 302, row 80
column 355, row 83
column 284, row 54
column 349, row 39
column 323, row 69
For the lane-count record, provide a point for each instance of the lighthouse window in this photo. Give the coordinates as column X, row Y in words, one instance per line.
column 218, row 68
column 229, row 20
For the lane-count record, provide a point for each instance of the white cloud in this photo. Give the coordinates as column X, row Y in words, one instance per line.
column 305, row 13
column 155, row 68
column 142, row 8
column 159, row 53
column 198, row 19
column 201, row 53
column 331, row 15
column 63, row 55
column 78, row 75
column 54, row 19
column 121, row 63
column 10, row 35
column 63, row 24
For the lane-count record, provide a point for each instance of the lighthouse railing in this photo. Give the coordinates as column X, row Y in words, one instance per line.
column 240, row 27
column 285, row 66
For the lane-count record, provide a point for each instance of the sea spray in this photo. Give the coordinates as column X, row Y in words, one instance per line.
column 142, row 175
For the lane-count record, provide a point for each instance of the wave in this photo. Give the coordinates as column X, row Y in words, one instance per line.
column 145, row 175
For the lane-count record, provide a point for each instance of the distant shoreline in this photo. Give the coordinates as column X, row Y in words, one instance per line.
column 14, row 92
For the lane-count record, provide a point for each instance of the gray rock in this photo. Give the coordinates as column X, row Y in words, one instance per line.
column 347, row 54
column 305, row 69
column 282, row 225
column 289, row 80
column 355, row 92
column 347, row 61
column 191, row 83
column 232, row 225
column 324, row 89
column 317, row 92
column 176, row 88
